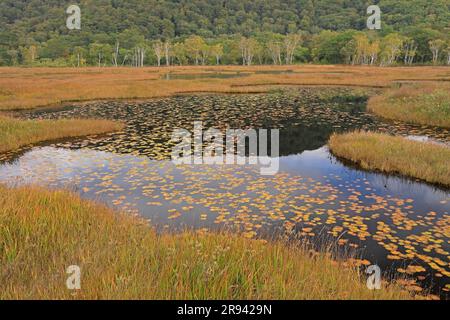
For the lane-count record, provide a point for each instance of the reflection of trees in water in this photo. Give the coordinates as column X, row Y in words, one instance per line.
column 301, row 138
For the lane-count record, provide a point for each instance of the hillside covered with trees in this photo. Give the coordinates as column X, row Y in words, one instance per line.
column 180, row 32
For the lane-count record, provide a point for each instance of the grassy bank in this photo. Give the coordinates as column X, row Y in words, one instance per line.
column 15, row 133
column 34, row 87
column 44, row 232
column 375, row 151
column 420, row 104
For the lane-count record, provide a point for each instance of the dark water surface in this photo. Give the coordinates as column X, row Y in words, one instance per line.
column 205, row 75
column 399, row 224
column 219, row 75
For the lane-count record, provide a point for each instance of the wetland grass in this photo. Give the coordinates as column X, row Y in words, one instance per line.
column 419, row 104
column 22, row 88
column 398, row 155
column 15, row 133
column 121, row 257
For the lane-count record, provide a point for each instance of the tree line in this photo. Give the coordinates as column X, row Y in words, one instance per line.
column 348, row 47
column 208, row 32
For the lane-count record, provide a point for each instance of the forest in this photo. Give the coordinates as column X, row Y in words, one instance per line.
column 230, row 32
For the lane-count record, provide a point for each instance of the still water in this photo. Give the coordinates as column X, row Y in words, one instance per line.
column 399, row 224
column 206, row 75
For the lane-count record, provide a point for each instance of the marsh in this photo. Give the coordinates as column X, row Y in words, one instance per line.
column 387, row 220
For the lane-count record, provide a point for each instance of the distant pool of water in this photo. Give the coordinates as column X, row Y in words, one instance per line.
column 205, row 75
column 399, row 224
column 220, row 75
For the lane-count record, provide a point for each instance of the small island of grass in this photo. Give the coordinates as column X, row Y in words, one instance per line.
column 418, row 104
column 377, row 151
column 16, row 133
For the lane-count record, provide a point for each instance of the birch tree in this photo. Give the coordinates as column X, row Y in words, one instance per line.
column 291, row 42
column 179, row 53
column 391, row 48
column 158, row 49
column 274, row 48
column 29, row 54
column 436, row 47
column 248, row 48
column 217, row 52
column 410, row 50
column 115, row 55
column 204, row 53
column 361, row 55
column 194, row 46
column 373, row 51
column 78, row 56
column 167, row 49
column 98, row 53
column 139, row 53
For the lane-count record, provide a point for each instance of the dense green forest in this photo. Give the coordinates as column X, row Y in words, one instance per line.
column 179, row 32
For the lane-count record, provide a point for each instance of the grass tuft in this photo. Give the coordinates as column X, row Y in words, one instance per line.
column 376, row 151
column 424, row 104
column 15, row 133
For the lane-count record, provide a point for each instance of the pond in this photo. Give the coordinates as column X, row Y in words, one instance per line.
column 399, row 224
column 221, row 75
column 206, row 75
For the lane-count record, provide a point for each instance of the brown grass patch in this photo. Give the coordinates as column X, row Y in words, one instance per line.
column 15, row 133
column 376, row 151
column 22, row 88
column 426, row 104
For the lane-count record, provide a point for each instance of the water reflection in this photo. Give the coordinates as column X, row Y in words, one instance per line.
column 206, row 75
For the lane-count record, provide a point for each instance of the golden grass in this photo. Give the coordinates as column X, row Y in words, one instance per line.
column 424, row 104
column 376, row 151
column 15, row 133
column 121, row 257
column 22, row 88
